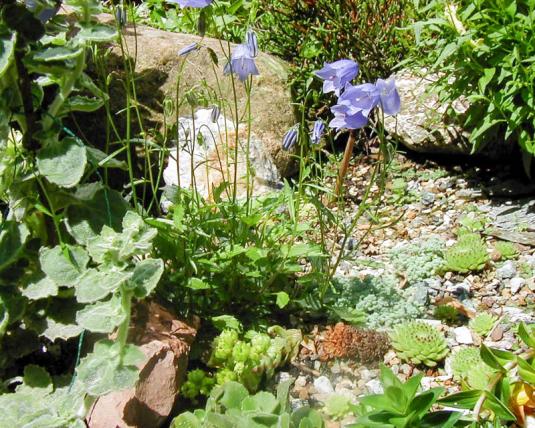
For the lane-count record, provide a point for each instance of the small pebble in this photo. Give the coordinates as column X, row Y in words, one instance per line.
column 323, row 385
column 516, row 284
column 463, row 335
column 506, row 271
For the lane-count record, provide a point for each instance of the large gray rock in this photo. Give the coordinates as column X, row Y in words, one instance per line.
column 158, row 68
column 426, row 125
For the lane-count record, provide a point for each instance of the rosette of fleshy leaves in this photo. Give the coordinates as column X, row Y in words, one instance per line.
column 468, row 254
column 419, row 343
column 483, row 323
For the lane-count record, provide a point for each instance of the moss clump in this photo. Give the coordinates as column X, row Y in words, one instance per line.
column 483, row 323
column 419, row 342
column 468, row 254
column 447, row 314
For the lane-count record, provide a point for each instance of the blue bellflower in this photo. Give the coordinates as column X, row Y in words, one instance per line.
column 241, row 63
column 390, row 101
column 192, row 3
column 337, row 74
column 317, row 131
column 354, row 106
column 290, row 138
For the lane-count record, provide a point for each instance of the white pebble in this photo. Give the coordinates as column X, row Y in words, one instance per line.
column 463, row 335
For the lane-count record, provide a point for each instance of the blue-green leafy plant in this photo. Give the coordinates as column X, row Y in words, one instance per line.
column 378, row 298
column 464, row 360
column 231, row 405
column 418, row 261
column 419, row 343
column 468, row 254
column 483, row 51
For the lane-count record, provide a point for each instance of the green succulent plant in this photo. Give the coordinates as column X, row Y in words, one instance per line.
column 464, row 360
column 446, row 313
column 479, row 376
column 507, row 250
column 419, row 342
column 468, row 254
column 483, row 323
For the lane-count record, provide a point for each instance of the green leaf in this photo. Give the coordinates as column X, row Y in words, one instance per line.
column 81, row 103
column 526, row 371
column 101, row 372
column 145, row 277
column 261, row 402
column 351, row 315
column 40, row 288
column 499, row 408
column 488, row 74
column 59, row 330
column 97, row 33
column 282, row 299
column 64, row 268
column 197, row 284
column 224, row 322
column 462, row 400
column 63, row 162
column 489, row 358
column 13, row 236
column 57, row 53
column 7, row 49
column 36, row 377
column 102, row 317
column 527, row 338
column 94, row 285
column 233, row 395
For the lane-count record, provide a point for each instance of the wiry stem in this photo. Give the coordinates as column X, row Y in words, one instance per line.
column 345, row 163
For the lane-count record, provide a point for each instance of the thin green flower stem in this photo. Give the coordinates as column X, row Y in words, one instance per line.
column 122, row 332
column 249, row 182
column 52, row 210
column 344, row 165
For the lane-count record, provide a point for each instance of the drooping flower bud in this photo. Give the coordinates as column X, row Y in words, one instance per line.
column 290, row 138
column 252, row 42
column 214, row 115
column 188, row 49
column 317, row 131
column 120, row 15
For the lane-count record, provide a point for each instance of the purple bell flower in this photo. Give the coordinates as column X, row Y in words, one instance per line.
column 337, row 74
column 317, row 131
column 241, row 63
column 192, row 3
column 354, row 106
column 120, row 15
column 390, row 102
column 188, row 49
column 290, row 138
column 252, row 42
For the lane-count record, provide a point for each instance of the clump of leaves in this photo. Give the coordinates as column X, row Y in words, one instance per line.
column 467, row 255
column 483, row 323
column 400, row 406
column 446, row 313
column 419, row 343
column 464, row 360
column 345, row 341
column 231, row 405
column 338, row 406
column 247, row 359
column 418, row 261
column 471, row 223
column 507, row 250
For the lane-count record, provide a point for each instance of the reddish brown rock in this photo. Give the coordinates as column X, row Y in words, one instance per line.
column 166, row 342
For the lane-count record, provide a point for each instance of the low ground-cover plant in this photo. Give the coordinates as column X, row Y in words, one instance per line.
column 469, row 253
column 231, row 405
column 483, row 323
column 483, row 51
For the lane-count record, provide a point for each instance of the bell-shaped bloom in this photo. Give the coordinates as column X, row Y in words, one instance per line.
column 192, row 3
column 215, row 113
column 290, row 138
column 354, row 106
column 120, row 15
column 188, row 49
column 317, row 131
column 252, row 41
column 241, row 63
column 337, row 74
column 390, row 102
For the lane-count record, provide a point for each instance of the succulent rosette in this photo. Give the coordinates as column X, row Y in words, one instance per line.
column 419, row 343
